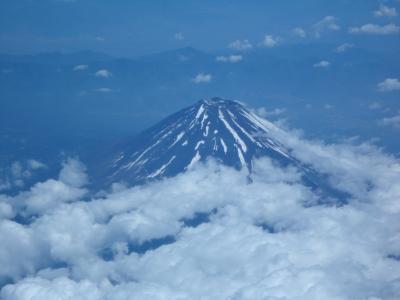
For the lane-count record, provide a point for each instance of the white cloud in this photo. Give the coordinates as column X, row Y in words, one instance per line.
column 265, row 239
column 80, row 67
column 322, row 64
column 269, row 41
column 100, row 39
column 104, row 90
column 328, row 106
column 73, row 173
column 300, row 32
column 385, row 11
column 263, row 112
column 328, row 23
column 202, row 78
column 17, row 174
column 343, row 47
column 376, row 29
column 103, row 73
column 392, row 121
column 230, row 58
column 35, row 164
column 179, row 36
column 241, row 45
column 389, row 85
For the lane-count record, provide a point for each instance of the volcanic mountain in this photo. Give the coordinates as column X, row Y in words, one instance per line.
column 222, row 129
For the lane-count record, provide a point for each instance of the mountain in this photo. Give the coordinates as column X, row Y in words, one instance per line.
column 222, row 129
column 57, row 58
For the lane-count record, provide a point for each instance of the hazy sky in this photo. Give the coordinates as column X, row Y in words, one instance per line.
column 131, row 28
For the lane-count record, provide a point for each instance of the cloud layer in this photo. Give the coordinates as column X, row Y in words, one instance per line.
column 210, row 233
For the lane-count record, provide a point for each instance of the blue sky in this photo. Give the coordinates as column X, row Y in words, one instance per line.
column 132, row 28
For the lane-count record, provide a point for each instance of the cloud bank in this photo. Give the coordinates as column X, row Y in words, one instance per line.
column 210, row 233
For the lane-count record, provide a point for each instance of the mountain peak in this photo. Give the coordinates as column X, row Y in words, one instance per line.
column 218, row 102
column 218, row 128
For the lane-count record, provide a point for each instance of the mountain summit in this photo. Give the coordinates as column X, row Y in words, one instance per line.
column 222, row 129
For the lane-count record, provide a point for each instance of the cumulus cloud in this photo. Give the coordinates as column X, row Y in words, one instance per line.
column 269, row 41
column 343, row 47
column 322, row 64
column 80, row 67
column 15, row 175
column 328, row 23
column 389, row 85
column 385, row 11
column 179, row 36
column 241, row 45
column 103, row 73
column 376, row 29
column 73, row 173
column 202, row 78
column 230, row 58
column 221, row 236
column 391, row 121
column 300, row 32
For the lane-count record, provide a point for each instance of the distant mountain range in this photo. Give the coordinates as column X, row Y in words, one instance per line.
column 90, row 97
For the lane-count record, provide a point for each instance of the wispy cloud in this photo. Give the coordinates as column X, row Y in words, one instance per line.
column 80, row 67
column 103, row 73
column 241, row 45
column 385, row 11
column 103, row 90
column 343, row 47
column 230, row 58
column 179, row 36
column 389, row 84
column 322, row 64
column 374, row 105
column 202, row 78
column 300, row 32
column 329, row 23
column 376, row 29
column 100, row 39
column 393, row 121
column 263, row 112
